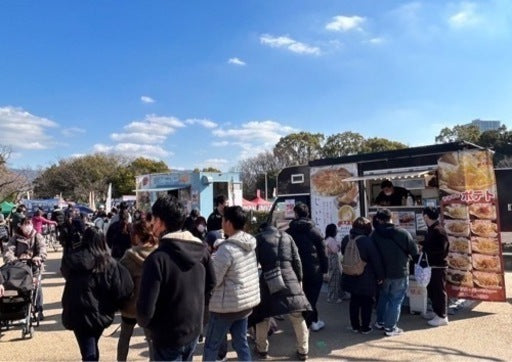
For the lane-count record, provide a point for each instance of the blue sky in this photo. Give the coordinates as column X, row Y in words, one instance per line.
column 207, row 83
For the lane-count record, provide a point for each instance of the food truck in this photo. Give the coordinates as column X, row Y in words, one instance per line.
column 194, row 189
column 458, row 177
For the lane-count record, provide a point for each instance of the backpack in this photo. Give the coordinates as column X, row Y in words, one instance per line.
column 352, row 263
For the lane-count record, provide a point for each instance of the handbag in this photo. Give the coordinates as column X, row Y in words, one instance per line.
column 273, row 277
column 422, row 274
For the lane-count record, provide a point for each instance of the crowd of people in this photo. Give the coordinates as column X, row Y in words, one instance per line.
column 184, row 278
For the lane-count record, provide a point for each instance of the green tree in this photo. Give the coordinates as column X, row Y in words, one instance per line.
column 211, row 169
column 343, row 144
column 467, row 132
column 377, row 144
column 123, row 181
column 299, row 148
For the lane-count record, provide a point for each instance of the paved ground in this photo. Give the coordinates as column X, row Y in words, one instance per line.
column 479, row 332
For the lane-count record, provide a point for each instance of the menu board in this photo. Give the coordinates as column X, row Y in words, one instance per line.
column 333, row 200
column 469, row 215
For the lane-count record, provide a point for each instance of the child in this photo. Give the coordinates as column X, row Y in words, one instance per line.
column 332, row 246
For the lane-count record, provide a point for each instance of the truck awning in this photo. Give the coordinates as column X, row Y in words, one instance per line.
column 161, row 189
column 389, row 176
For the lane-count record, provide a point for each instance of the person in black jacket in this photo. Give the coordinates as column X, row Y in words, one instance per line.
column 215, row 219
column 275, row 248
column 96, row 286
column 309, row 241
column 176, row 279
column 435, row 246
column 363, row 288
column 118, row 235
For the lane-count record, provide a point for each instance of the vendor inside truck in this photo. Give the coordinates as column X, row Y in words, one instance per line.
column 392, row 195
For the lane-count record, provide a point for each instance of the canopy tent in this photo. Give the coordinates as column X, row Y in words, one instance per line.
column 261, row 203
column 7, row 207
column 246, row 204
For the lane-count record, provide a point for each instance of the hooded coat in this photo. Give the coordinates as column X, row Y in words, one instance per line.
column 132, row 260
column 278, row 248
column 236, row 271
column 366, row 283
column 32, row 245
column 310, row 243
column 176, row 278
column 90, row 297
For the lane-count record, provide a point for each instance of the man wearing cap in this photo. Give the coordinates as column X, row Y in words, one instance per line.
column 391, row 195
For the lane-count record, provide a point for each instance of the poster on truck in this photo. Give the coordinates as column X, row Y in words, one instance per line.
column 334, row 201
column 468, row 204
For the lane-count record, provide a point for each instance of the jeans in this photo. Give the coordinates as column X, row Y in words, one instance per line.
column 299, row 326
column 88, row 343
column 183, row 353
column 360, row 311
column 218, row 328
column 392, row 293
column 312, row 288
column 437, row 292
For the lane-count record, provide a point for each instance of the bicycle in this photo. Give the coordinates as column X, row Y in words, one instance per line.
column 50, row 235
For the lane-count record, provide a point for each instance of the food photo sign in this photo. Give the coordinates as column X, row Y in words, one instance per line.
column 468, row 203
column 333, row 200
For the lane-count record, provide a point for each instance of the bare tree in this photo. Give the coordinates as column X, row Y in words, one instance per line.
column 12, row 184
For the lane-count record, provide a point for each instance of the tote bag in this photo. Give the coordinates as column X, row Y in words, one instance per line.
column 422, row 274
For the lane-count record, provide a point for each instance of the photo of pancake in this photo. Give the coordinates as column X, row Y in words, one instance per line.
column 485, row 228
column 487, row 280
column 488, row 246
column 483, row 211
column 456, row 211
column 456, row 277
column 486, row 263
column 329, row 182
column 459, row 261
column 462, row 171
column 346, row 214
column 457, row 227
column 459, row 245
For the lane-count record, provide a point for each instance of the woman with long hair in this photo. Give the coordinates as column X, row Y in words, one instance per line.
column 118, row 235
column 96, row 285
column 332, row 248
column 144, row 243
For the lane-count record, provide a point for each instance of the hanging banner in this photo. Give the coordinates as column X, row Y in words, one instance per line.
column 334, row 201
column 468, row 204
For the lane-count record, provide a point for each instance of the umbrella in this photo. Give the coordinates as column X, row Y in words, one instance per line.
column 7, row 207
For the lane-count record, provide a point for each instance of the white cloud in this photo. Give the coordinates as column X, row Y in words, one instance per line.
column 203, row 122
column 376, row 40
column 345, row 23
column 73, row 131
column 147, row 100
column 134, row 149
column 289, row 43
column 466, row 16
column 220, row 144
column 236, row 61
column 215, row 162
column 254, row 137
column 23, row 130
column 137, row 137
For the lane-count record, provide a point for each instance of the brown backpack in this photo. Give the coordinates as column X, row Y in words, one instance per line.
column 352, row 263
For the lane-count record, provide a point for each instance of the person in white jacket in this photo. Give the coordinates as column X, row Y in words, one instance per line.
column 237, row 290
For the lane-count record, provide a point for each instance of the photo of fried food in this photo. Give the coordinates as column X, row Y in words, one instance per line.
column 456, row 211
column 487, row 280
column 459, row 261
column 457, row 227
column 485, row 228
column 488, row 246
column 486, row 263
column 464, row 279
column 346, row 213
column 330, row 182
column 462, row 171
column 483, row 210
column 459, row 245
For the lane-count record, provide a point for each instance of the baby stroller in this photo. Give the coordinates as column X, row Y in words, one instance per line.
column 17, row 306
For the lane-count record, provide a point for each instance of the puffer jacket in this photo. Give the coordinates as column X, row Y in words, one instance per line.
column 236, row 270
column 91, row 298
column 132, row 260
column 33, row 245
column 278, row 248
column 310, row 243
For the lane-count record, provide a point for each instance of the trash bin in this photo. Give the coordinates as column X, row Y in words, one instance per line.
column 417, row 297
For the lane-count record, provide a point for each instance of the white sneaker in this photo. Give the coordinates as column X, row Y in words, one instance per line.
column 316, row 326
column 428, row 315
column 438, row 321
column 394, row 332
